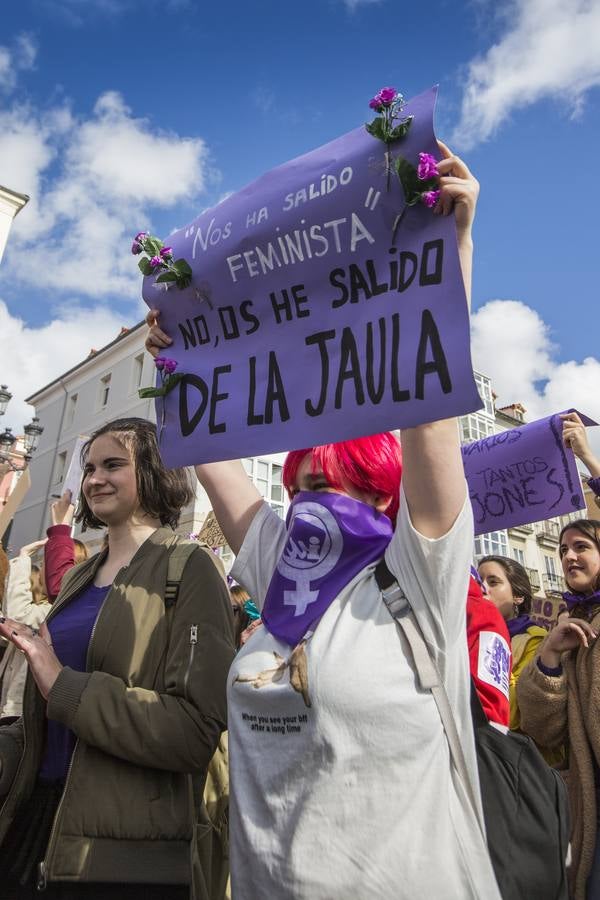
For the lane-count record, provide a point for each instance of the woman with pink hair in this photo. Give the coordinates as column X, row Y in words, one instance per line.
column 342, row 783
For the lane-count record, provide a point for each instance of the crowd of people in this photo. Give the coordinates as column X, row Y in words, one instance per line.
column 338, row 776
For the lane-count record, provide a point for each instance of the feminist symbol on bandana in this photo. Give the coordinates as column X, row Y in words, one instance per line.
column 313, row 547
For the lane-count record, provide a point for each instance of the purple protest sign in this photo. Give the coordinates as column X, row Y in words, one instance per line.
column 522, row 475
column 304, row 323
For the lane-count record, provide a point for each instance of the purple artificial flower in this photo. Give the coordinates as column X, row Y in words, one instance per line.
column 430, row 198
column 136, row 248
column 166, row 252
column 140, row 236
column 155, row 262
column 375, row 104
column 386, row 96
column 165, row 364
column 427, row 167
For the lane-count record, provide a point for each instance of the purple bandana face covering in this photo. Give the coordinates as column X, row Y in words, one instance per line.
column 331, row 537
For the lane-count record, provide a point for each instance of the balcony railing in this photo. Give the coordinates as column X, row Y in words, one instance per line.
column 548, row 531
column 553, row 584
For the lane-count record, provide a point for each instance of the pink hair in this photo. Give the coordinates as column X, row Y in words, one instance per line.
column 371, row 464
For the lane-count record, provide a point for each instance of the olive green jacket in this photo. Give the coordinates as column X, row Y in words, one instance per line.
column 147, row 713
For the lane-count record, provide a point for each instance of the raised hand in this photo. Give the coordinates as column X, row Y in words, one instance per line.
column 569, row 634
column 156, row 339
column 62, row 510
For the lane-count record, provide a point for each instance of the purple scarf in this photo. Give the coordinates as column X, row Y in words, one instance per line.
column 330, row 539
column 519, row 625
column 573, row 600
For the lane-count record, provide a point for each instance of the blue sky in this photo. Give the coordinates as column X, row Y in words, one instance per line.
column 117, row 115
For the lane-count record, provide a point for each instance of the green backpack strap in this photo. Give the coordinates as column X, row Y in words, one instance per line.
column 178, row 559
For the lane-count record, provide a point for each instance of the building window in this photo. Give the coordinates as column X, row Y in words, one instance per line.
column 484, row 387
column 137, row 372
column 495, row 543
column 518, row 555
column 267, row 476
column 474, row 427
column 104, row 390
column 60, row 468
column 72, row 405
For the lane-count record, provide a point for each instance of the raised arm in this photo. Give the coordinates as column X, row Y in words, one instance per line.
column 575, row 437
column 433, row 474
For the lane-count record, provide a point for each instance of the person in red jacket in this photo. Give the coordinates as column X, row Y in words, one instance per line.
column 489, row 654
column 61, row 551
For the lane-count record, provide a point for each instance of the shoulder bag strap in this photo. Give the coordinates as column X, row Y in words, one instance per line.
column 400, row 610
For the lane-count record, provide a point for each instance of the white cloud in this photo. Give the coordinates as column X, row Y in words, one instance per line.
column 34, row 356
column 18, row 58
column 550, row 49
column 93, row 183
column 263, row 98
column 512, row 344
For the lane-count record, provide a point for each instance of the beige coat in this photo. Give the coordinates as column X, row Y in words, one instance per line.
column 566, row 710
column 18, row 605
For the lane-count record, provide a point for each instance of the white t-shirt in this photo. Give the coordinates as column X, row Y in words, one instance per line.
column 354, row 796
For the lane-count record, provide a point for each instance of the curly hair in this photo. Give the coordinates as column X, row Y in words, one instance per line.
column 162, row 492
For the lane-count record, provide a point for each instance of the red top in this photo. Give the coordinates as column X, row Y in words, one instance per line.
column 59, row 557
column 489, row 654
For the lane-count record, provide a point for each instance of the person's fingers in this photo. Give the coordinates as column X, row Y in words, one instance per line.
column 152, row 317
column 22, row 641
column 571, row 417
column 67, row 497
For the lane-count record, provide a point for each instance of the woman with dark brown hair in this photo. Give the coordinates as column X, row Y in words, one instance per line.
column 508, row 587
column 559, row 697
column 125, row 698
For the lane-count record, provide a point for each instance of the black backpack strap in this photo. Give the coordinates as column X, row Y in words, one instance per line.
column 178, row 558
column 383, row 576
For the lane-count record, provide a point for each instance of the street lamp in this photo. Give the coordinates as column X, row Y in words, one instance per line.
column 5, row 396
column 7, row 438
column 32, row 436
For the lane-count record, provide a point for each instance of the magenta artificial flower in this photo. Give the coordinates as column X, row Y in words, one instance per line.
column 430, row 198
column 166, row 252
column 136, row 248
column 386, row 96
column 375, row 104
column 156, row 261
column 427, row 167
column 141, row 235
column 165, row 364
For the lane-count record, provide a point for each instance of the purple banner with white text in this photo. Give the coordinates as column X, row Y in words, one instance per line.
column 522, row 475
column 309, row 319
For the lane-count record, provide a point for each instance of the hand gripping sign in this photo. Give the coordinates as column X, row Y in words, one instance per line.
column 310, row 318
